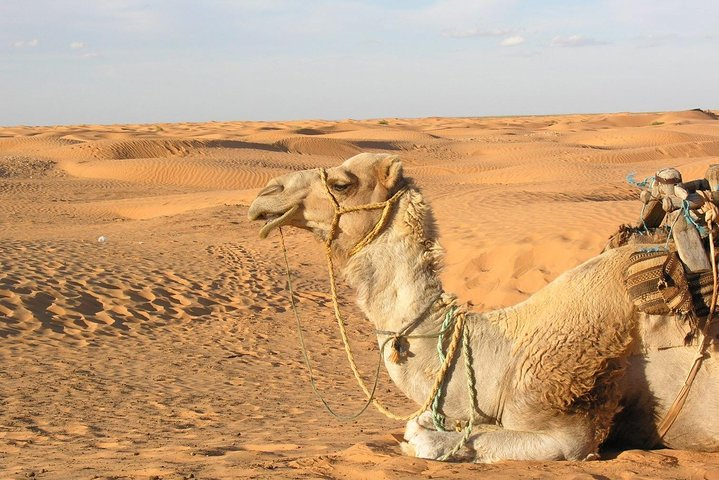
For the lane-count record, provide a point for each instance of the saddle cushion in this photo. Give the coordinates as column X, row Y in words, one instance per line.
column 657, row 284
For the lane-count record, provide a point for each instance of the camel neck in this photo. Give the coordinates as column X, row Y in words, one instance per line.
column 397, row 284
column 394, row 286
column 394, row 290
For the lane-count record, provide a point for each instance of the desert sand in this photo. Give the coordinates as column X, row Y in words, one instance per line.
column 145, row 330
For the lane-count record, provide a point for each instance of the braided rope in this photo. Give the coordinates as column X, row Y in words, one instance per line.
column 386, row 207
column 471, row 388
column 439, row 380
column 437, row 417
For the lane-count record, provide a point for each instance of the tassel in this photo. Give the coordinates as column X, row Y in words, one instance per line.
column 400, row 350
column 394, row 357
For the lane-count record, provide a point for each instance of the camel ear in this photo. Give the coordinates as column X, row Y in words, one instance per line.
column 389, row 171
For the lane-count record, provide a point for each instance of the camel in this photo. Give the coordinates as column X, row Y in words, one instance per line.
column 558, row 375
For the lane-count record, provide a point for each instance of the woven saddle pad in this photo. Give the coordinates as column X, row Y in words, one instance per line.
column 658, row 285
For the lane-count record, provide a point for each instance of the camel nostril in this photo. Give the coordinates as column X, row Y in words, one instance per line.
column 271, row 190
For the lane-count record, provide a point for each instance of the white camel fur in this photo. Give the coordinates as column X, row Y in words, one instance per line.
column 557, row 375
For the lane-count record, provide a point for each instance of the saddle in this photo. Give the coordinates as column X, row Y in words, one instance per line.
column 672, row 273
column 676, row 276
column 658, row 284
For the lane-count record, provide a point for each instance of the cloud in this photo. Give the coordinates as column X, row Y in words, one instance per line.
column 26, row 43
column 575, row 41
column 77, row 45
column 476, row 32
column 513, row 41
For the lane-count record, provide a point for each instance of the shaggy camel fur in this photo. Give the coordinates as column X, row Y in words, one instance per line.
column 557, row 375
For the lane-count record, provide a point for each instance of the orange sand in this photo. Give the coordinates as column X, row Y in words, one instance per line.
column 168, row 349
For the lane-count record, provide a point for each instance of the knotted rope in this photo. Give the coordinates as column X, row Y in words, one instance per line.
column 471, row 388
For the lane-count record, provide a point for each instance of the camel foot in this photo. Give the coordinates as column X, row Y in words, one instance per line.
column 422, row 441
column 491, row 443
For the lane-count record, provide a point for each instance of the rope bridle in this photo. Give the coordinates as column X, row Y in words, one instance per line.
column 454, row 315
column 340, row 210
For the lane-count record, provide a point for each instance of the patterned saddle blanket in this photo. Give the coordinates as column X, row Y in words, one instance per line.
column 658, row 285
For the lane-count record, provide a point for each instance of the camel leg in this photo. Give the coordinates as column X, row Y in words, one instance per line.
column 489, row 443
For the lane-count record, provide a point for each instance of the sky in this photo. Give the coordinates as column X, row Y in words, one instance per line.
column 146, row 61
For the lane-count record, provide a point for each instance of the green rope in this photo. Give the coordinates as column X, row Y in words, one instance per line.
column 472, row 389
column 438, row 417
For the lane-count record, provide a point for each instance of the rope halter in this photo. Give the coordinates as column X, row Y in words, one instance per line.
column 340, row 210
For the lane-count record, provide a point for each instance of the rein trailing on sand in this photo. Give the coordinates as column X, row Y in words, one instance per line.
column 454, row 315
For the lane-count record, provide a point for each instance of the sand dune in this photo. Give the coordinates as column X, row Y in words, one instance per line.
column 146, row 331
column 327, row 147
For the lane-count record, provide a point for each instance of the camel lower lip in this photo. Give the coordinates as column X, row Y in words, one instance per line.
column 276, row 221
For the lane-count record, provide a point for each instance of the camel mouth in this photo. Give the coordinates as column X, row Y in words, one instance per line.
column 274, row 220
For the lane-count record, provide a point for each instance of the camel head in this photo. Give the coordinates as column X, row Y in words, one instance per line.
column 300, row 199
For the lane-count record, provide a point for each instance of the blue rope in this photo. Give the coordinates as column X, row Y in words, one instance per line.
column 646, row 183
column 687, row 214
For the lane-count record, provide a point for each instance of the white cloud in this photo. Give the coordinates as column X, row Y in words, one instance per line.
column 77, row 45
column 476, row 32
column 26, row 43
column 513, row 41
column 575, row 41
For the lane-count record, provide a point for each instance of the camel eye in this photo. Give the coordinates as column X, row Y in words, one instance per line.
column 340, row 187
